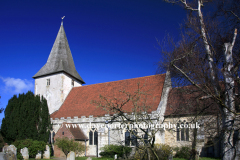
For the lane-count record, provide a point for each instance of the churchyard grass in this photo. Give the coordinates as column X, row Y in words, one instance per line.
column 35, row 159
column 201, row 158
column 93, row 158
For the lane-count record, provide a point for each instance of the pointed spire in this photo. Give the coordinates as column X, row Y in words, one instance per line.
column 60, row 58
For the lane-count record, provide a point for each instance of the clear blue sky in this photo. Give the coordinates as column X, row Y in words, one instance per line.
column 109, row 39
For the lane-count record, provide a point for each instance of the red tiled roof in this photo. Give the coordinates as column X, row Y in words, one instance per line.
column 189, row 100
column 78, row 102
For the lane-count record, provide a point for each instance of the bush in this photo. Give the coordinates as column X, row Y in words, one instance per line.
column 109, row 151
column 140, row 153
column 163, row 151
column 68, row 145
column 183, row 152
column 33, row 147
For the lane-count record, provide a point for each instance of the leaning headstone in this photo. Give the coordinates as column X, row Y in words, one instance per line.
column 46, row 154
column 39, row 155
column 89, row 158
column 9, row 155
column 71, row 156
column 13, row 149
column 24, row 153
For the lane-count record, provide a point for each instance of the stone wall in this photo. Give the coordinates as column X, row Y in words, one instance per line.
column 206, row 133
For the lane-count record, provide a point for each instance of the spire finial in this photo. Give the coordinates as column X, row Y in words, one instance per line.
column 62, row 20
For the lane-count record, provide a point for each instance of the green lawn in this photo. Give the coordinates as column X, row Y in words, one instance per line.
column 201, row 158
column 84, row 158
column 35, row 159
column 93, row 158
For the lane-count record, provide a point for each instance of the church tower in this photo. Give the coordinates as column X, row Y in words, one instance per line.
column 58, row 76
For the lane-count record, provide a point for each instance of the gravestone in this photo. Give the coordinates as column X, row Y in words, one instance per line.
column 39, row 155
column 24, row 153
column 5, row 148
column 71, row 156
column 9, row 155
column 13, row 149
column 46, row 154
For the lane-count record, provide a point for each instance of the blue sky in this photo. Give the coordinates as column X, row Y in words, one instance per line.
column 109, row 39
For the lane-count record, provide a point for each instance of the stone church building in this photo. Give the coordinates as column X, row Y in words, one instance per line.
column 70, row 101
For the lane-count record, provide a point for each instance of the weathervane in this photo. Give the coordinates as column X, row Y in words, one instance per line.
column 62, row 20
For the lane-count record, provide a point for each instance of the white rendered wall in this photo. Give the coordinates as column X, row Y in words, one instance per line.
column 57, row 91
column 117, row 135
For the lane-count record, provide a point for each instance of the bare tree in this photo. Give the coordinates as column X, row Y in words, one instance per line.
column 140, row 122
column 198, row 59
column 189, row 105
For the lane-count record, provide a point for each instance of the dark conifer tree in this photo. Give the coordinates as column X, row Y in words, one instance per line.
column 44, row 124
column 26, row 117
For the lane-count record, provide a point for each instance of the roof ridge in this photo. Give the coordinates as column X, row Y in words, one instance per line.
column 120, row 80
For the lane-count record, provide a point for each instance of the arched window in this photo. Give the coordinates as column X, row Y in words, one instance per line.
column 187, row 131
column 90, row 137
column 182, row 131
column 134, row 138
column 93, row 137
column 130, row 138
column 178, row 134
column 127, row 138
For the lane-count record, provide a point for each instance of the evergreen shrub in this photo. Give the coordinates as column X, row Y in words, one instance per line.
column 33, row 147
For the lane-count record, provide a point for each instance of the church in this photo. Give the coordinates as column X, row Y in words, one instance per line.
column 70, row 102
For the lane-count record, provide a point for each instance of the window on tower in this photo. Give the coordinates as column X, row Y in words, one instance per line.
column 72, row 82
column 48, row 82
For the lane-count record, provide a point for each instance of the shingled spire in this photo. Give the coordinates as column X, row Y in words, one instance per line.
column 60, row 59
